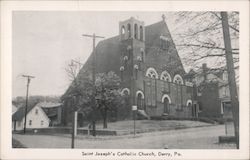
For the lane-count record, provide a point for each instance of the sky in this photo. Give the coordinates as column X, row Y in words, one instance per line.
column 44, row 42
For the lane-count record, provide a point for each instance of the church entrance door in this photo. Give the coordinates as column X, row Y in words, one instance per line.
column 166, row 105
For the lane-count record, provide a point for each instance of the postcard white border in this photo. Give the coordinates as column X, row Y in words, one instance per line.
column 6, row 34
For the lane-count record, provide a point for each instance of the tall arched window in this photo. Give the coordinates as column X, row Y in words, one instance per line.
column 136, row 31
column 166, row 76
column 151, row 72
column 142, row 54
column 178, row 79
column 129, row 30
column 141, row 33
column 139, row 100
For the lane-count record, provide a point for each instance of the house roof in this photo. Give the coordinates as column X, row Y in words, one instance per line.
column 49, row 105
column 20, row 113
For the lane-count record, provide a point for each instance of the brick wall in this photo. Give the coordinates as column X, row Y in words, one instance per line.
column 209, row 101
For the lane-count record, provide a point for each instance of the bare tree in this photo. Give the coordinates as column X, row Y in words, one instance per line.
column 212, row 37
column 202, row 38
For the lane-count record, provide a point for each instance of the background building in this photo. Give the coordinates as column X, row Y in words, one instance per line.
column 36, row 117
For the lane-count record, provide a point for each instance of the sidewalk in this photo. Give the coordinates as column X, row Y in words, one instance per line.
column 191, row 138
column 143, row 126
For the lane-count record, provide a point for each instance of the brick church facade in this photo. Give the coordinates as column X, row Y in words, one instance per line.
column 152, row 74
column 151, row 70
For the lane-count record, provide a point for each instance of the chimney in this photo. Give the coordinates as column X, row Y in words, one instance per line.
column 204, row 70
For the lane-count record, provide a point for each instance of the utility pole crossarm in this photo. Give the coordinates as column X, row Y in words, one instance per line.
column 92, row 36
column 28, row 76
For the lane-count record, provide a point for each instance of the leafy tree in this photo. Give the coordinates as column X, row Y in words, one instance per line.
column 106, row 92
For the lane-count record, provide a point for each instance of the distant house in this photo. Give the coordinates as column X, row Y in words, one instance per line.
column 36, row 117
column 212, row 92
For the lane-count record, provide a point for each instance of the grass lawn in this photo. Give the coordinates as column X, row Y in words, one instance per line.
column 127, row 126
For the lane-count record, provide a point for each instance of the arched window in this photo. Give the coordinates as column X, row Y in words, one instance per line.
column 125, row 92
column 142, row 54
column 129, row 30
column 123, row 30
column 178, row 79
column 139, row 100
column 136, row 31
column 151, row 72
column 189, row 103
column 166, row 102
column 166, row 76
column 141, row 33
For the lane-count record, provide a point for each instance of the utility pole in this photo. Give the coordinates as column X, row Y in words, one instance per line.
column 231, row 75
column 74, row 117
column 93, row 78
column 27, row 97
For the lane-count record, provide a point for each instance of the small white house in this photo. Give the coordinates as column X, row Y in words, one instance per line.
column 36, row 118
column 14, row 109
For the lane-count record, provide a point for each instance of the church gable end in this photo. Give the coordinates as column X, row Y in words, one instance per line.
column 160, row 49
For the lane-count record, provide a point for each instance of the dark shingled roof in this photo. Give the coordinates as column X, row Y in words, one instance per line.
column 20, row 113
column 108, row 53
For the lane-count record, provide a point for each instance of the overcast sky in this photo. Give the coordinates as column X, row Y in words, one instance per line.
column 44, row 43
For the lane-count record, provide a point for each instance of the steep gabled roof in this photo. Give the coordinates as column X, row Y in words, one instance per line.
column 20, row 113
column 108, row 53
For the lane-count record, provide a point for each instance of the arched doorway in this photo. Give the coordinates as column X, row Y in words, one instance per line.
column 166, row 105
column 139, row 101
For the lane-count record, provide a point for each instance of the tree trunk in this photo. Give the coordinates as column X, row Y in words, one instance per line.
column 105, row 124
column 93, row 131
column 231, row 76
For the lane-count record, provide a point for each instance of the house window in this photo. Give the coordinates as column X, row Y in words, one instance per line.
column 164, row 42
column 41, row 123
column 30, row 122
column 36, row 111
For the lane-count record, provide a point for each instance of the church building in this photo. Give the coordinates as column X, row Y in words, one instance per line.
column 151, row 71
